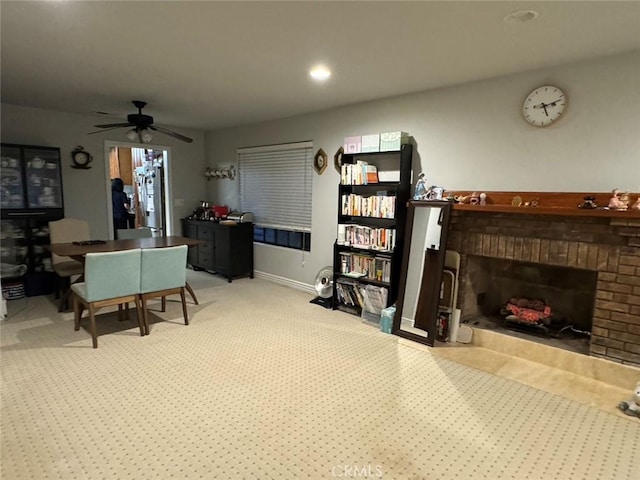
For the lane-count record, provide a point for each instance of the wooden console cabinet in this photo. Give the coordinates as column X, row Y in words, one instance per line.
column 228, row 249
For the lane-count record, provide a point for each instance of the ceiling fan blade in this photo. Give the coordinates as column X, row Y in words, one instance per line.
column 173, row 134
column 107, row 129
column 113, row 125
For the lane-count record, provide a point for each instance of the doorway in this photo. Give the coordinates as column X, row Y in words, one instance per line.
column 144, row 171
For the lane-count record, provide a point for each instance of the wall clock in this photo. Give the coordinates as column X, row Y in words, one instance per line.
column 81, row 158
column 320, row 161
column 337, row 159
column 544, row 106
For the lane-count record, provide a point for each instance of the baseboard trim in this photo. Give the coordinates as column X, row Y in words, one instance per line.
column 287, row 282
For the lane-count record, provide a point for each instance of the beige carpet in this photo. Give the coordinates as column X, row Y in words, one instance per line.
column 264, row 385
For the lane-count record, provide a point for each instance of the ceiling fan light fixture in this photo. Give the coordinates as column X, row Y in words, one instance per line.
column 145, row 135
column 132, row 134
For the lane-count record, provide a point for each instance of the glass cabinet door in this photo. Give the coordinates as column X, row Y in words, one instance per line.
column 14, row 248
column 12, row 194
column 44, row 186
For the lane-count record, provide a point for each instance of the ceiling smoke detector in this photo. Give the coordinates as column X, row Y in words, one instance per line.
column 521, row 16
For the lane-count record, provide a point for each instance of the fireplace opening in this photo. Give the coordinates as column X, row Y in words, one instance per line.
column 543, row 303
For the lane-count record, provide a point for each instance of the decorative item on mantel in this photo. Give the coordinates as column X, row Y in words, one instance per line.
column 589, row 203
column 636, row 206
column 420, row 191
column 618, row 202
column 226, row 172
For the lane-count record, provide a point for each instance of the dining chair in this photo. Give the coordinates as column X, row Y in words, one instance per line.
column 163, row 271
column 129, row 233
column 110, row 278
column 66, row 230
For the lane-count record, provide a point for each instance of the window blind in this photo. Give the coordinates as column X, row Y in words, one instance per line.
column 275, row 185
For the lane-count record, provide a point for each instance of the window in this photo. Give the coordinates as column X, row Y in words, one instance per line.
column 275, row 185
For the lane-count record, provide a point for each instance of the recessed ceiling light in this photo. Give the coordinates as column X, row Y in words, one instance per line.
column 320, row 73
column 521, row 16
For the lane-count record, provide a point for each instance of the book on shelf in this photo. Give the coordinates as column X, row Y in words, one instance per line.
column 359, row 173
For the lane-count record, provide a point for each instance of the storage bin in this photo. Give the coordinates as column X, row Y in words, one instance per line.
column 371, row 143
column 13, row 290
column 391, row 141
column 386, row 319
column 353, row 144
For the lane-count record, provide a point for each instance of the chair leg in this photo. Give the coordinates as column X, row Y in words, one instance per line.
column 92, row 316
column 163, row 304
column 184, row 306
column 77, row 313
column 139, row 317
column 120, row 318
column 191, row 292
column 145, row 315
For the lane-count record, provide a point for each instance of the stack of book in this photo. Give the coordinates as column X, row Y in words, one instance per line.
column 359, row 173
column 361, row 236
column 376, row 206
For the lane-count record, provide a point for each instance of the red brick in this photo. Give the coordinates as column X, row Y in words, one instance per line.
column 630, row 260
column 600, row 332
column 628, row 279
column 592, row 257
column 607, row 342
column 535, row 250
column 598, row 349
column 634, row 329
column 627, row 269
column 597, row 312
column 603, row 258
column 625, row 317
column 628, row 232
column 583, row 251
column 613, row 306
column 604, row 295
column 614, row 287
column 607, row 276
column 572, row 255
column 610, row 325
column 634, row 242
column 625, row 337
column 624, row 356
column 632, row 347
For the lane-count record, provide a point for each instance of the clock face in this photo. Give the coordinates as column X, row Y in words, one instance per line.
column 544, row 106
column 81, row 158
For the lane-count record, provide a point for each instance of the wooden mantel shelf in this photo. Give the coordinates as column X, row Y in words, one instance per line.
column 571, row 212
column 548, row 204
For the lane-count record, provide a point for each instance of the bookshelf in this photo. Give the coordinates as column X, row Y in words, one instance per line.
column 372, row 212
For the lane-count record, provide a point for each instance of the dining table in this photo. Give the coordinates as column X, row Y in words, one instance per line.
column 78, row 251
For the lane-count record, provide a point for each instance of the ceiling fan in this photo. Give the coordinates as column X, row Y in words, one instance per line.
column 141, row 124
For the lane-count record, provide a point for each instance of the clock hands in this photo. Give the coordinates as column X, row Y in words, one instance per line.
column 545, row 105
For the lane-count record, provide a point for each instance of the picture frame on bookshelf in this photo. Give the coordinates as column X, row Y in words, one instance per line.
column 320, row 161
column 337, row 159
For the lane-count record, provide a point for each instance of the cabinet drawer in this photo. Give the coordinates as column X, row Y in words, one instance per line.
column 205, row 232
column 205, row 248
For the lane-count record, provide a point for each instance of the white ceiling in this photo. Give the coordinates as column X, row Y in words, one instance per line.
column 208, row 65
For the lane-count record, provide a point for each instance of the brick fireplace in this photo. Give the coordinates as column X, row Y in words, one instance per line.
column 609, row 246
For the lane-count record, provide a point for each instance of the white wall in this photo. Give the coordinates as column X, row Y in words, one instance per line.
column 468, row 137
column 85, row 194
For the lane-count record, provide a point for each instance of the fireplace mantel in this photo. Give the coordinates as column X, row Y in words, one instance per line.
column 565, row 204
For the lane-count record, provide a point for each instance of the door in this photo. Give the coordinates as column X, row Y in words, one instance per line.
column 149, row 187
